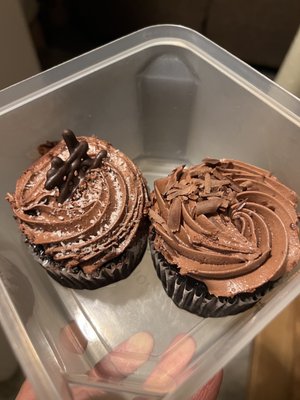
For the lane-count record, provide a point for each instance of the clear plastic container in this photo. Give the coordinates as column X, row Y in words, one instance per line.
column 164, row 95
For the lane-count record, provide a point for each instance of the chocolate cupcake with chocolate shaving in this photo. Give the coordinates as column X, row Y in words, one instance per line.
column 221, row 233
column 82, row 208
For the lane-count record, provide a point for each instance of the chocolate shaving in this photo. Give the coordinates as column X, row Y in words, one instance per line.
column 185, row 191
column 235, row 186
column 174, row 178
column 208, row 206
column 174, row 218
column 178, row 172
column 212, row 194
column 66, row 175
column 193, row 196
column 204, row 169
column 231, row 196
column 198, row 182
column 193, row 211
column 216, row 183
column 199, row 171
column 172, row 190
column 186, row 181
column 172, row 196
column 242, row 205
column 227, row 165
column 217, row 174
column 156, row 217
column 246, row 184
column 211, row 162
column 224, row 205
column 207, row 183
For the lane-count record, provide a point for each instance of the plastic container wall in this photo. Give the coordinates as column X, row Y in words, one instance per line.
column 165, row 96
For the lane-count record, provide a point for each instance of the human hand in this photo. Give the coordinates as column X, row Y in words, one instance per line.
column 126, row 358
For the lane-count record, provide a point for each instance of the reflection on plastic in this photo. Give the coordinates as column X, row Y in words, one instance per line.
column 167, row 89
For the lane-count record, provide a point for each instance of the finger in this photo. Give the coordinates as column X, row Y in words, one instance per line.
column 86, row 393
column 72, row 339
column 78, row 393
column 174, row 360
column 26, row 392
column 126, row 358
column 211, row 389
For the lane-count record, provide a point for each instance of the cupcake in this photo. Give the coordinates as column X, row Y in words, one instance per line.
column 82, row 208
column 221, row 233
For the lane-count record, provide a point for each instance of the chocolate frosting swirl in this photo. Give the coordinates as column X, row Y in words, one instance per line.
column 226, row 223
column 100, row 220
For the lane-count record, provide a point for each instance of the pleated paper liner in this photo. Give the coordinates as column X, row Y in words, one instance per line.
column 113, row 271
column 193, row 296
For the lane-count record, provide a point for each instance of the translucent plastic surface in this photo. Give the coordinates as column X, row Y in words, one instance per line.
column 165, row 96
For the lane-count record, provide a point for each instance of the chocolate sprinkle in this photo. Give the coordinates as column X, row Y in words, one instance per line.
column 66, row 175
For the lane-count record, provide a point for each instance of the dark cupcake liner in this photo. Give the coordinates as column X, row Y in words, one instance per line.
column 115, row 270
column 192, row 295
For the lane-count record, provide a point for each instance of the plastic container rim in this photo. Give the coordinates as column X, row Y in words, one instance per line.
column 176, row 35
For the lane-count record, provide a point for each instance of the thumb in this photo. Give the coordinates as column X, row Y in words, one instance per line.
column 26, row 392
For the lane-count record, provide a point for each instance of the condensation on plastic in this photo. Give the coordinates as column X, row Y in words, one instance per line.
column 165, row 95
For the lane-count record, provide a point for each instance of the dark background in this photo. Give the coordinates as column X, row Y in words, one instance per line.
column 257, row 31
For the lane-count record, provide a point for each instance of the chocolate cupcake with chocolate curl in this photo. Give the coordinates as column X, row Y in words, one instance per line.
column 82, row 208
column 221, row 233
